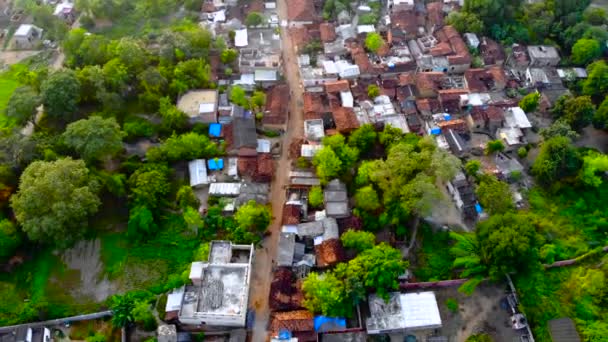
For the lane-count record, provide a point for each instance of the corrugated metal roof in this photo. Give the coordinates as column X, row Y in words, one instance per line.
column 198, row 172
column 225, row 189
column 263, row 146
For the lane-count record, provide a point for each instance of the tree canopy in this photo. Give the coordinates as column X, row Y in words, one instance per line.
column 585, row 51
column 557, row 159
column 530, row 102
column 373, row 42
column 94, row 138
column 54, row 200
column 60, row 94
column 494, row 195
column 22, row 105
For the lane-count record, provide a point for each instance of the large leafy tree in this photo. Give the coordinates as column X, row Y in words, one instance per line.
column 367, row 199
column 576, row 111
column 10, row 238
column 94, row 138
column 325, row 294
column 530, row 102
column 149, row 186
column 54, row 200
column 22, row 105
column 327, row 164
column 60, row 95
column 559, row 128
column 585, row 51
column 132, row 54
column 600, row 118
column 252, row 220
column 557, row 159
column 494, row 195
column 465, row 22
column 359, row 240
column 373, row 42
column 596, row 83
column 363, row 138
column 171, row 117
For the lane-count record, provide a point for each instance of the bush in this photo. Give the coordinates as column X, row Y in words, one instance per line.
column 315, row 197
column 137, row 127
column 522, row 152
column 452, row 305
column 303, row 163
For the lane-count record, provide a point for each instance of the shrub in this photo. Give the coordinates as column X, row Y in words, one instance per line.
column 522, row 152
column 137, row 127
column 452, row 305
column 303, row 163
column 315, row 196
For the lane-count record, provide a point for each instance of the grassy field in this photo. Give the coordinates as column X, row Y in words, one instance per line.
column 7, row 87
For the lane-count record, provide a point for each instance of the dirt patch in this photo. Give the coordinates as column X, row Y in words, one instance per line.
column 86, row 259
column 595, row 138
column 12, row 57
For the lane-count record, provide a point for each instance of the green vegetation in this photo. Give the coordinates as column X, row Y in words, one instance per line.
column 452, row 305
column 373, row 42
column 358, row 240
column 315, row 197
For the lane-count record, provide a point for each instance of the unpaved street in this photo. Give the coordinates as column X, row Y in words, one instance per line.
column 262, row 268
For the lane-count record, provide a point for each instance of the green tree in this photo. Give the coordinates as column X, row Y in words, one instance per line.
column 188, row 146
column 576, row 111
column 363, row 138
column 522, row 152
column 54, row 199
column 595, row 15
column 94, row 138
column 142, row 314
column 358, row 240
column 489, row 11
column 190, row 74
column 141, row 225
column 92, row 83
column 465, row 22
column 229, row 55
column 149, row 186
column 585, row 51
column 60, row 94
column 600, row 118
column 530, row 102
column 325, row 294
column 390, row 135
column 592, row 164
column 367, row 199
column 596, row 83
column 22, row 105
column 373, row 91
column 381, row 267
column 315, row 197
column 559, row 128
column 468, row 258
column 239, row 97
column 494, row 195
column 122, row 310
column 348, row 155
column 187, row 198
column 258, row 100
column 472, row 167
column 172, row 117
column 509, row 243
column 557, row 159
column 481, row 337
column 373, row 42
column 10, row 239
column 116, row 75
column 327, row 164
column 132, row 54
column 254, row 19
column 495, row 146
column 253, row 217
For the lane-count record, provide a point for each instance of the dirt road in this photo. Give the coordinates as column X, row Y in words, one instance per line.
column 264, row 257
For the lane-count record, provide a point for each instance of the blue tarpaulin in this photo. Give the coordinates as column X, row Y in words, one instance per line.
column 215, row 164
column 284, row 335
column 447, row 117
column 324, row 324
column 478, row 208
column 435, row 130
column 215, row 130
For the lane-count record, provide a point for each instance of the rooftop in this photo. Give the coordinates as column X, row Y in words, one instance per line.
column 411, row 311
column 542, row 51
column 298, row 10
column 563, row 330
column 197, row 103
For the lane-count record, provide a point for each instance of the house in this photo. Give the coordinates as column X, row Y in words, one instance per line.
column 166, row 333
column 27, row 36
column 428, row 83
column 405, row 24
column 563, row 330
column 513, row 131
column 300, row 13
column 198, row 173
column 518, row 57
column 199, row 105
column 285, row 290
column 329, row 252
column 472, row 40
column 449, row 99
column 30, row 334
column 65, row 11
column 265, row 77
column 241, row 137
column 337, row 86
column 277, row 106
column 456, row 143
column 403, row 312
column 488, row 118
column 434, row 12
column 485, row 80
column 544, row 78
column 400, row 5
column 543, row 56
column 298, row 323
column 460, row 60
column 345, row 119
column 463, row 195
column 287, row 244
column 336, row 199
column 491, row 52
column 219, row 292
column 314, row 129
column 328, row 32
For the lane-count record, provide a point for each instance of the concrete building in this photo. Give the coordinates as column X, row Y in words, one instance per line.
column 402, row 313
column 27, row 36
column 199, row 105
column 543, row 55
column 220, row 291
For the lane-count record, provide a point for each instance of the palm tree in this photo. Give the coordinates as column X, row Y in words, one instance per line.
column 468, row 258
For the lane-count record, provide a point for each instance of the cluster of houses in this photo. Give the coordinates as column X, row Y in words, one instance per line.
column 460, row 89
column 29, row 36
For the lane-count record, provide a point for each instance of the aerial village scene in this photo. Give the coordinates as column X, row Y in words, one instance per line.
column 304, row 170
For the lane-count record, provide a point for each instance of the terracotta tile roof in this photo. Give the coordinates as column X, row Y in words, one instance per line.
column 430, row 105
column 277, row 105
column 351, row 222
column 285, row 291
column 407, row 21
column 313, row 105
column 459, row 48
column 294, row 321
column 384, row 50
column 265, row 169
column 483, row 80
column 345, row 119
column 291, row 214
column 247, row 166
column 298, row 10
column 429, row 81
column 491, row 51
column 329, row 252
column 489, row 113
column 337, row 86
column 207, row 7
column 454, row 124
column 406, row 78
column 435, row 14
column 441, row 49
column 328, row 32
column 255, row 6
column 360, row 58
column 499, row 75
